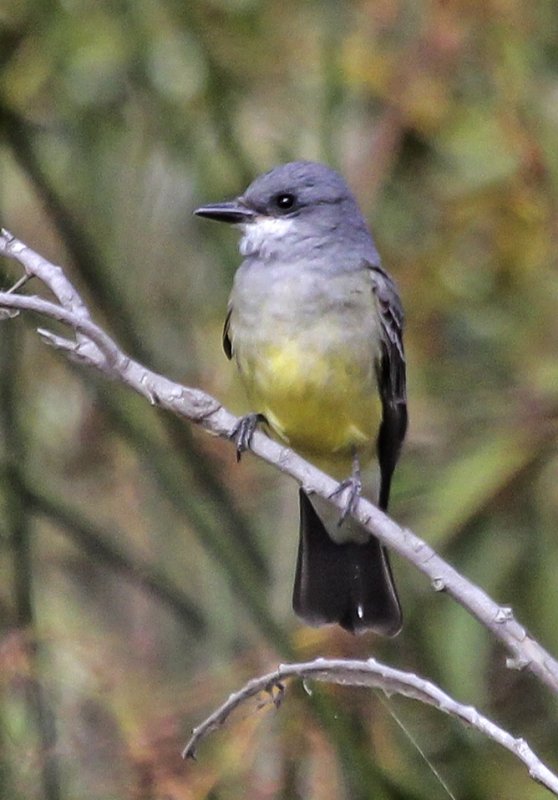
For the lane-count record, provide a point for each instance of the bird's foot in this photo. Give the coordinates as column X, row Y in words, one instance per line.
column 244, row 430
column 353, row 487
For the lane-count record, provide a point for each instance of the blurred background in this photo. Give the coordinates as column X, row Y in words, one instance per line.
column 144, row 575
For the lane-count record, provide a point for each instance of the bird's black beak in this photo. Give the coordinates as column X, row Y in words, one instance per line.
column 233, row 212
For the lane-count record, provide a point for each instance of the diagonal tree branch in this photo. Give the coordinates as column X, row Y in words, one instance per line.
column 373, row 674
column 93, row 347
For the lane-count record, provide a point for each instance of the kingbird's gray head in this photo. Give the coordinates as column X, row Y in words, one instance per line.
column 298, row 209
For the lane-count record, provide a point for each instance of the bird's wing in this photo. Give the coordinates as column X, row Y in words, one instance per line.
column 227, row 342
column 391, row 378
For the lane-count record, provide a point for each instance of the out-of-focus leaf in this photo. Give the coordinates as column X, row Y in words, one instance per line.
column 473, row 479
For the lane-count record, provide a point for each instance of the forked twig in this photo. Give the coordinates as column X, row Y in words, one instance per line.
column 373, row 674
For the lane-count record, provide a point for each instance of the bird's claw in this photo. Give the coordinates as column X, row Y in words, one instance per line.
column 353, row 487
column 243, row 431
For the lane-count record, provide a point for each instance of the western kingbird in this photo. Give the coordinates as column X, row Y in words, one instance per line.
column 314, row 324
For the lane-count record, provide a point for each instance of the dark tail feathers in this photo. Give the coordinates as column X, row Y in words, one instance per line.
column 350, row 584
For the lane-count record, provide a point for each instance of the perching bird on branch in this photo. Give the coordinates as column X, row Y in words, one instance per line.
column 314, row 324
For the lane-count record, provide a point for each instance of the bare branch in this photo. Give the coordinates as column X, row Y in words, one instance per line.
column 93, row 347
column 374, row 674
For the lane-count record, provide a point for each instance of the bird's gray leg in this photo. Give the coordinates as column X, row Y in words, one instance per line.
column 353, row 486
column 244, row 430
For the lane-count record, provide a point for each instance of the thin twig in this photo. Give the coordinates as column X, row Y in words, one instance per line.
column 374, row 674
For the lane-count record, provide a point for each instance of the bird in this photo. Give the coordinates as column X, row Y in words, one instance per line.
column 315, row 325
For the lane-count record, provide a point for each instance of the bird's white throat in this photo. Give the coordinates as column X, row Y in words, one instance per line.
column 260, row 236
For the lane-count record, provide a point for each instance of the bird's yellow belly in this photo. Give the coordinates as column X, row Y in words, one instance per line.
column 321, row 400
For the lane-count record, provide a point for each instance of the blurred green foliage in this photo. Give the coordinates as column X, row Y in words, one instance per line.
column 144, row 575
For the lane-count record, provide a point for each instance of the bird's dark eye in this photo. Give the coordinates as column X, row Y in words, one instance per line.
column 284, row 201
